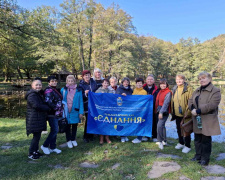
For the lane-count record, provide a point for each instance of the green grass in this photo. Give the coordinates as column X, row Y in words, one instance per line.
column 134, row 163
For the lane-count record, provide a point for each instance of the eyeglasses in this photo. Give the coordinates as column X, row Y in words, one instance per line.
column 54, row 80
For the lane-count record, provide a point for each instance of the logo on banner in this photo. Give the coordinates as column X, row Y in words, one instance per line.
column 119, row 101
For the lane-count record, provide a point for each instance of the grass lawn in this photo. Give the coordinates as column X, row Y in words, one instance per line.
column 135, row 163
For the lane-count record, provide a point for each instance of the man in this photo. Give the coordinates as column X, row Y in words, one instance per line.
column 54, row 100
column 152, row 89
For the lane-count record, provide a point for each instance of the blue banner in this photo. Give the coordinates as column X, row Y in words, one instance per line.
column 117, row 115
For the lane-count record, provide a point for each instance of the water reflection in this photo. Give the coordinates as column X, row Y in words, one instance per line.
column 13, row 106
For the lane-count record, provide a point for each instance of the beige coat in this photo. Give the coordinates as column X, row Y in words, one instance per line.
column 208, row 102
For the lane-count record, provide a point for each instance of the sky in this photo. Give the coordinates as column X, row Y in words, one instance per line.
column 169, row 20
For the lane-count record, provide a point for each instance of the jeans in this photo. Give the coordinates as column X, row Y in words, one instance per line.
column 51, row 139
column 71, row 132
column 203, row 147
column 182, row 140
column 34, row 145
column 161, row 129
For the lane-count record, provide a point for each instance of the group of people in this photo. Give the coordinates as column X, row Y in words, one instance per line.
column 71, row 102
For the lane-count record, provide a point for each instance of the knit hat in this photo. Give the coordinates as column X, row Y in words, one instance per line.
column 50, row 78
column 86, row 72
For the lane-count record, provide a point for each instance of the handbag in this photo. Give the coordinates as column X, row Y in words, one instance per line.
column 186, row 128
column 62, row 123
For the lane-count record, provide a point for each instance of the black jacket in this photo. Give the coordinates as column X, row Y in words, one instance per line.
column 36, row 112
column 53, row 98
column 92, row 86
column 121, row 89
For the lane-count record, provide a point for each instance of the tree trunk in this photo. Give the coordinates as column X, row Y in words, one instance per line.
column 19, row 72
column 90, row 47
column 81, row 49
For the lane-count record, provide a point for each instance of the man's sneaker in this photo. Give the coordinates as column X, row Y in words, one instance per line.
column 144, row 139
column 186, row 149
column 123, row 139
column 154, row 140
column 74, row 143
column 179, row 146
column 45, row 150
column 160, row 145
column 163, row 142
column 57, row 151
column 69, row 144
column 135, row 141
column 34, row 156
column 126, row 139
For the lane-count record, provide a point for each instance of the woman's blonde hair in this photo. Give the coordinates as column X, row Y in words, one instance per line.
column 70, row 77
column 206, row 74
column 181, row 76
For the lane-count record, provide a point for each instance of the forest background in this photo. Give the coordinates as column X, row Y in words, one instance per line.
column 82, row 34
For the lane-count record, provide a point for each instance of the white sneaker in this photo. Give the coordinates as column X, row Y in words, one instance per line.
column 45, row 150
column 163, row 142
column 57, row 151
column 126, row 139
column 123, row 140
column 154, row 140
column 74, row 143
column 135, row 141
column 179, row 146
column 160, row 145
column 186, row 149
column 144, row 139
column 69, row 144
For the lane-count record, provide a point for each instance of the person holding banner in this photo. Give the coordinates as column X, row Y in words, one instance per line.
column 124, row 89
column 182, row 92
column 87, row 84
column 152, row 89
column 73, row 109
column 139, row 91
column 113, row 84
column 97, row 77
column 104, row 89
column 162, row 110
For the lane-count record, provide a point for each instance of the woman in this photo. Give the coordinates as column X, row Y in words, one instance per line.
column 162, row 110
column 87, row 84
column 113, row 84
column 54, row 100
column 204, row 108
column 97, row 77
column 182, row 92
column 124, row 89
column 35, row 117
column 139, row 91
column 104, row 89
column 73, row 109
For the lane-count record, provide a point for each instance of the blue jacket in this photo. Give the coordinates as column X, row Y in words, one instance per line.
column 77, row 108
